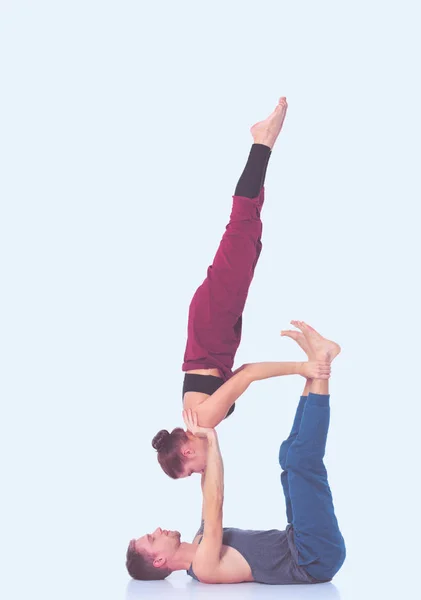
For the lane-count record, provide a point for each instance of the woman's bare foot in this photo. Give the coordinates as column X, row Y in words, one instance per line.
column 266, row 132
column 298, row 337
column 320, row 347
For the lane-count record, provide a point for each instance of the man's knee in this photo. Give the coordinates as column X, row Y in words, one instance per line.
column 283, row 451
column 300, row 460
column 336, row 560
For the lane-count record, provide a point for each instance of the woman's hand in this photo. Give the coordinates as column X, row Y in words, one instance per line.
column 315, row 369
column 190, row 419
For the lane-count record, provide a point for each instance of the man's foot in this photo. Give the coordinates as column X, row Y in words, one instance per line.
column 266, row 132
column 320, row 347
column 299, row 338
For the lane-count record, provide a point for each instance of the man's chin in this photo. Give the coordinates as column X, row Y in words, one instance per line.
column 175, row 534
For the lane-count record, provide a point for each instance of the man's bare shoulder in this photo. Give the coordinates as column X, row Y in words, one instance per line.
column 232, row 567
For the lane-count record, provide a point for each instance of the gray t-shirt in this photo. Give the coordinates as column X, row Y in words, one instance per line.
column 271, row 555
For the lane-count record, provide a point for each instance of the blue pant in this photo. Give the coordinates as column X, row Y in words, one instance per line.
column 310, row 511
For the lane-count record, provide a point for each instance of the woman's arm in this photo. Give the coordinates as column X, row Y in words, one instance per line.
column 309, row 369
column 214, row 409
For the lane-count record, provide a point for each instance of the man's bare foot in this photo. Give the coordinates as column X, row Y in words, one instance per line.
column 298, row 337
column 320, row 347
column 266, row 132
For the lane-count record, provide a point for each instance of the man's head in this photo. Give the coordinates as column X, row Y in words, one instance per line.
column 180, row 453
column 153, row 555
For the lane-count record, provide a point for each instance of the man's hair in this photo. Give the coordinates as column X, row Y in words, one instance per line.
column 168, row 446
column 140, row 566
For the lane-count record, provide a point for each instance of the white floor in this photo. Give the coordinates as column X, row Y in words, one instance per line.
column 89, row 583
column 378, row 586
column 181, row 587
column 382, row 584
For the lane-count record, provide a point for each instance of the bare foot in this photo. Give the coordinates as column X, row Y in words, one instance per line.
column 320, row 347
column 299, row 338
column 266, row 132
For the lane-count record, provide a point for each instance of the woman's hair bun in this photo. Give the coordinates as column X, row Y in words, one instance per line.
column 160, row 439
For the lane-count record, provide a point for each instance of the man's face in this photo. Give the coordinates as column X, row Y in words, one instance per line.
column 161, row 543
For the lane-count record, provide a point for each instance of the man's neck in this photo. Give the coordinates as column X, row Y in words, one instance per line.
column 183, row 558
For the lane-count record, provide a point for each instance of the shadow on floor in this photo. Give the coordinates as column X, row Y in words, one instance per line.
column 181, row 586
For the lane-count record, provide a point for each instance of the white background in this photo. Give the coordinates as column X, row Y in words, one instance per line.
column 124, row 127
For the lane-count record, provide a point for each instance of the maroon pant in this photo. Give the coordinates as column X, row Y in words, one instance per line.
column 215, row 312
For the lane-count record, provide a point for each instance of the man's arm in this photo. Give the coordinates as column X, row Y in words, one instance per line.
column 207, row 559
column 207, row 563
column 203, row 497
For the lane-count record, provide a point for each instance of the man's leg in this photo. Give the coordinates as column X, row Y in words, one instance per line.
column 285, row 446
column 298, row 337
column 319, row 542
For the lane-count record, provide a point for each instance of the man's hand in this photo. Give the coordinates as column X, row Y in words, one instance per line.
column 315, row 369
column 190, row 419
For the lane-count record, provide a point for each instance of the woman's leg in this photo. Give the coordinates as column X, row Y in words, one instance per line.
column 215, row 313
column 319, row 542
column 253, row 177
